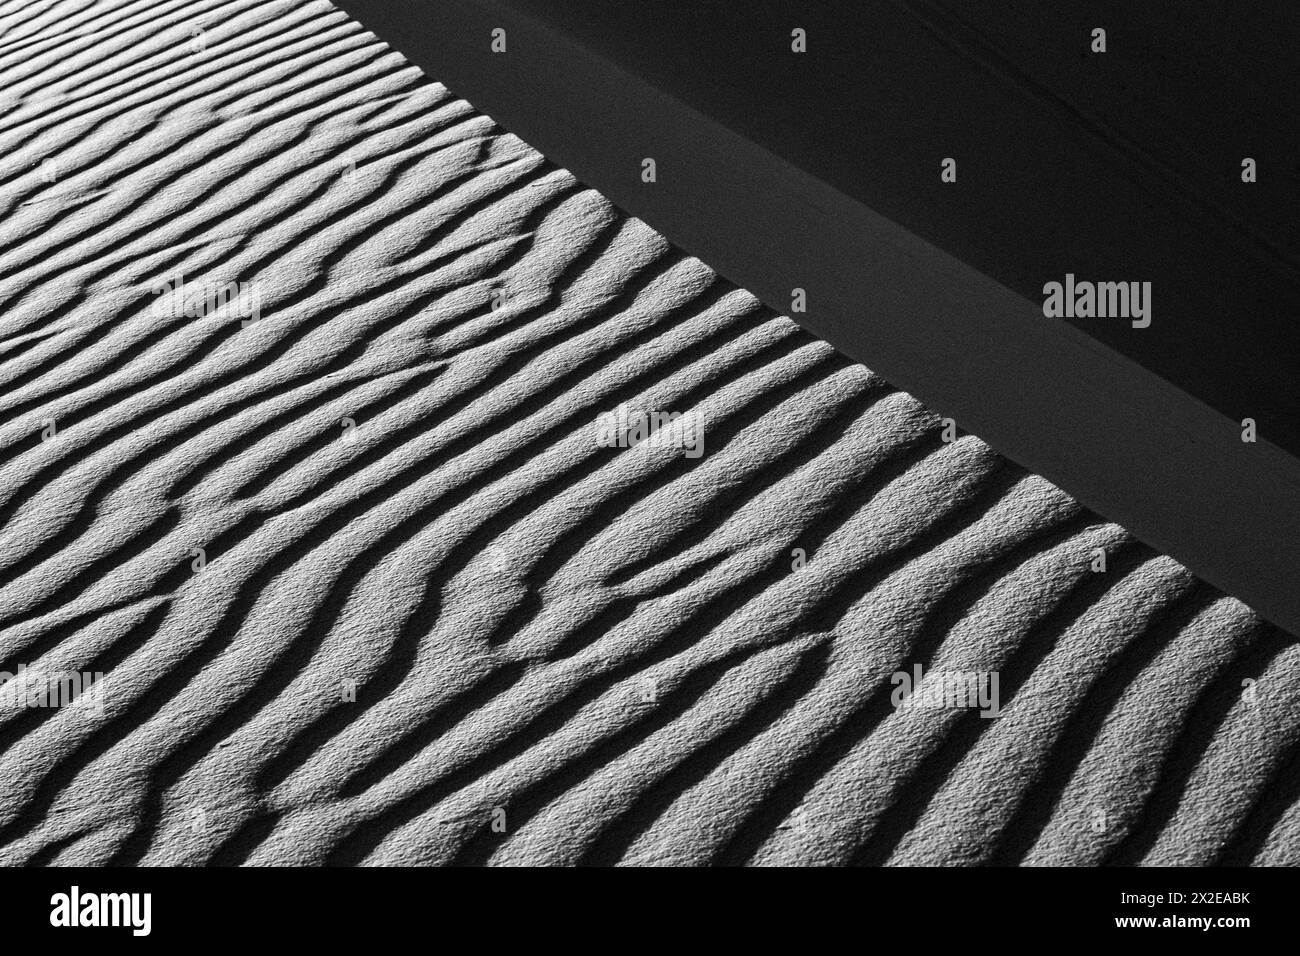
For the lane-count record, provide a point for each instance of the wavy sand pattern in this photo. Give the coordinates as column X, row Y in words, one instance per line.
column 393, row 483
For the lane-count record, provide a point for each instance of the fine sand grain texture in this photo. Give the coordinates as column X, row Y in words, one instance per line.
column 365, row 588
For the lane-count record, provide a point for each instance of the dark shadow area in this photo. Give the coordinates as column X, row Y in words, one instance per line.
column 821, row 170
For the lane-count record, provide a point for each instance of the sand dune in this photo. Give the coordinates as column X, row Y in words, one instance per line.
column 386, row 487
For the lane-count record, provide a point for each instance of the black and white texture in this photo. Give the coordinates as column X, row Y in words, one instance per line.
column 559, row 653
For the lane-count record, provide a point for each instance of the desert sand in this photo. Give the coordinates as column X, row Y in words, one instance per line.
column 364, row 588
